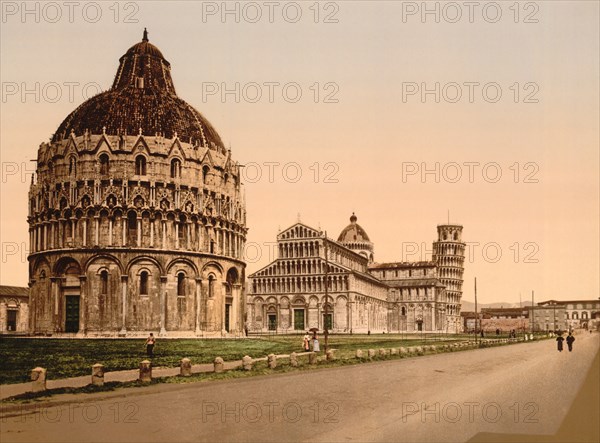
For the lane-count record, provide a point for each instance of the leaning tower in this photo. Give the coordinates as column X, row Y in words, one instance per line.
column 449, row 255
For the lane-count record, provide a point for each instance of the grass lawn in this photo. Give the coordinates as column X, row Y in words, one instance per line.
column 74, row 357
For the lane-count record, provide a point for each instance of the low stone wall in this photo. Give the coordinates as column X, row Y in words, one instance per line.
column 273, row 361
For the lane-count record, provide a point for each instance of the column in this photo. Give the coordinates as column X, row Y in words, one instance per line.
column 164, row 234
column 51, row 239
column 61, row 233
column 124, row 231
column 73, row 231
column 55, row 296
column 139, row 232
column 84, row 239
column 223, row 292
column 197, row 304
column 123, row 304
column 176, row 235
column 189, row 234
column 110, row 231
column 236, row 292
column 83, row 305
column 152, row 225
column 163, row 305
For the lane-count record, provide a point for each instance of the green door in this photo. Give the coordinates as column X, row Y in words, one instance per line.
column 227, row 314
column 272, row 322
column 299, row 319
column 72, row 314
column 328, row 321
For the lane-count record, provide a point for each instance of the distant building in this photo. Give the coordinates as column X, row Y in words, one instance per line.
column 548, row 316
column 505, row 319
column 14, row 309
column 362, row 296
column 579, row 313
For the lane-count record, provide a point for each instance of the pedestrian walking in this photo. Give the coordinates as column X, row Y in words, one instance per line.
column 315, row 343
column 570, row 340
column 150, row 341
column 306, row 343
column 560, row 340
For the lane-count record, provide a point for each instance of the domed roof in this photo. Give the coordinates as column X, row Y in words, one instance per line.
column 353, row 232
column 142, row 97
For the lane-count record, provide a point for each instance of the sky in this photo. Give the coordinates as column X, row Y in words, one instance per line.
column 408, row 114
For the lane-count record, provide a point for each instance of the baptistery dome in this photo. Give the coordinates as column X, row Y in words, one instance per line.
column 136, row 219
column 142, row 98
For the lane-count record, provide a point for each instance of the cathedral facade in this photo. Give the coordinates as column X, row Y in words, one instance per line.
column 317, row 282
column 136, row 219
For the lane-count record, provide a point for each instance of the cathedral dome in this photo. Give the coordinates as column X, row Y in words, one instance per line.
column 142, row 98
column 353, row 232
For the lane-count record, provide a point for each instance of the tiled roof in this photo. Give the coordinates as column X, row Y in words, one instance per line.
column 392, row 265
column 14, row 291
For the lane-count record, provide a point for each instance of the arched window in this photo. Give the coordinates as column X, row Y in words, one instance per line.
column 144, row 283
column 180, row 284
column 403, row 310
column 131, row 228
column 104, row 282
column 175, row 168
column 575, row 316
column 584, row 315
column 211, row 286
column 104, row 164
column 140, row 165
column 205, row 170
column 72, row 166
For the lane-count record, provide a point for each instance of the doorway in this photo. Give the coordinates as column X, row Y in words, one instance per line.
column 299, row 319
column 72, row 313
column 227, row 311
column 11, row 320
column 272, row 322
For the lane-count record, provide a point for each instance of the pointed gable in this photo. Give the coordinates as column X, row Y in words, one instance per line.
column 140, row 146
column 104, row 144
column 176, row 150
column 297, row 231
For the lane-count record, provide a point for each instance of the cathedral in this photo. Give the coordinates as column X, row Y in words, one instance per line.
column 317, row 282
column 136, row 219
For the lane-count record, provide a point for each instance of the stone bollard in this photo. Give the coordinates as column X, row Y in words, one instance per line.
column 359, row 353
column 272, row 361
column 382, row 352
column 247, row 363
column 403, row 351
column 419, row 350
column 145, row 371
column 526, row 337
column 294, row 359
column 432, row 348
column 330, row 355
column 98, row 374
column 530, row 336
column 185, row 367
column 371, row 353
column 219, row 365
column 394, row 351
column 38, row 379
column 312, row 358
